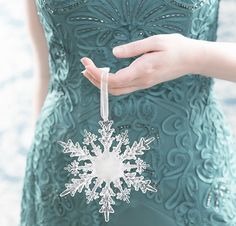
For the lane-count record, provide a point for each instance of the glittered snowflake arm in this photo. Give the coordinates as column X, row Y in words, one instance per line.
column 75, row 150
column 137, row 148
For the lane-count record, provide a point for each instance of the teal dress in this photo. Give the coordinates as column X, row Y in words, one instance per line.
column 192, row 159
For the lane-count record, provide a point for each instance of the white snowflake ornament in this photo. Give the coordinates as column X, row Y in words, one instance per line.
column 103, row 171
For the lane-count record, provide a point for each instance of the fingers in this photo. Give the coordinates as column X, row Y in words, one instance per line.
column 91, row 78
column 91, row 71
column 138, row 47
column 96, row 72
column 123, row 78
column 86, row 61
column 113, row 91
column 135, row 75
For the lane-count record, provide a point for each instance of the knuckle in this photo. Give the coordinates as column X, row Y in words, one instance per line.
column 149, row 67
column 157, row 41
column 161, row 37
column 177, row 35
column 154, row 38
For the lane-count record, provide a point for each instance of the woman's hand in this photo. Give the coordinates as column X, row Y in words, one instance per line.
column 163, row 57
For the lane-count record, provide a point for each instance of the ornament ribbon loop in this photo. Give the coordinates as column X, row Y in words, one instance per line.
column 104, row 94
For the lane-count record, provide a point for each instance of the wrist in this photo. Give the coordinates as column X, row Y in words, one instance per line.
column 197, row 56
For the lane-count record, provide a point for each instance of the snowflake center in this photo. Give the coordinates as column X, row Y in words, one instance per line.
column 108, row 166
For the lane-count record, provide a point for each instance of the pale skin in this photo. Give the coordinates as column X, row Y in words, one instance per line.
column 40, row 57
column 166, row 57
column 161, row 58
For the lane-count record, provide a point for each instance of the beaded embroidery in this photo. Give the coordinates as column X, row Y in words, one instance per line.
column 191, row 6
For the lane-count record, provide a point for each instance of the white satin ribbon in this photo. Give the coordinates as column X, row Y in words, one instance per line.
column 104, row 107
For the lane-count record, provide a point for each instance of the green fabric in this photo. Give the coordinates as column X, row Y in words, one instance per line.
column 192, row 157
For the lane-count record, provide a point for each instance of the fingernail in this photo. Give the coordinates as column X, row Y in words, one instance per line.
column 89, row 60
column 81, row 60
column 117, row 50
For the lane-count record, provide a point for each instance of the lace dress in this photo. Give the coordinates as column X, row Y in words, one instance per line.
column 193, row 155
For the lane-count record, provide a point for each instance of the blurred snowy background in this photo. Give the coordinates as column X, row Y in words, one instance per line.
column 16, row 88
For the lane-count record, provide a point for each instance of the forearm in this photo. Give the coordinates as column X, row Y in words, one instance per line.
column 214, row 59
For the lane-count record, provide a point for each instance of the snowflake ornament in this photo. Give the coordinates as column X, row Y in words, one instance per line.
column 103, row 171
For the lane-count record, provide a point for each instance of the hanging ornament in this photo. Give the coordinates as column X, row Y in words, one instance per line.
column 102, row 171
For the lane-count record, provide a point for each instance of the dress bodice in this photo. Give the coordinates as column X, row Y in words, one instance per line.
column 77, row 28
